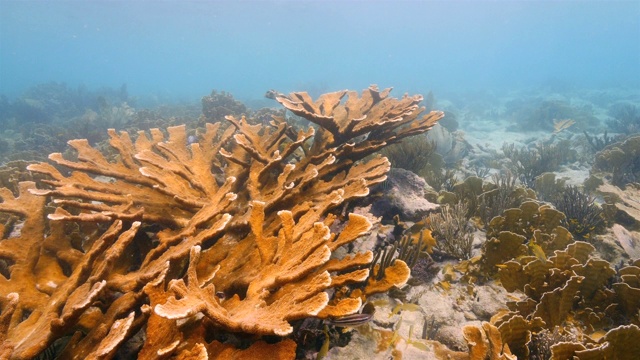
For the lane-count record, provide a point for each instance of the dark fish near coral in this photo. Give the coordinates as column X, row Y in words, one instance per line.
column 350, row 320
column 192, row 139
column 537, row 251
column 354, row 320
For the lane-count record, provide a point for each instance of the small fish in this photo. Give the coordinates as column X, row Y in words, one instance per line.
column 537, row 251
column 379, row 302
column 445, row 285
column 419, row 345
column 354, row 320
column 405, row 306
column 449, row 273
column 192, row 139
column 559, row 125
column 596, row 336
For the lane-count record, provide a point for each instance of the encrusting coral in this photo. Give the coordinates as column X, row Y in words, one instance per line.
column 227, row 233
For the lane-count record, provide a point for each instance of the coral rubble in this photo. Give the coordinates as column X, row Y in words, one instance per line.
column 185, row 239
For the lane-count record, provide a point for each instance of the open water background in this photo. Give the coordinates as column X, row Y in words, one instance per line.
column 175, row 50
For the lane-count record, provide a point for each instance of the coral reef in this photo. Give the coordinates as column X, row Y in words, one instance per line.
column 247, row 234
column 583, row 217
column 598, row 143
column 452, row 231
column 54, row 101
column 541, row 114
column 499, row 195
column 217, row 105
column 531, row 229
column 561, row 125
column 619, row 162
column 529, row 163
column 625, row 118
column 451, row 145
column 413, row 156
column 574, row 291
column 188, row 239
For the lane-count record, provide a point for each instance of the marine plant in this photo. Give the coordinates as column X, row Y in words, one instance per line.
column 487, row 199
column 500, row 194
column 414, row 155
column 420, row 156
column 440, row 179
column 625, row 118
column 619, row 162
column 192, row 241
column 479, row 169
column 468, row 191
column 598, row 143
column 404, row 249
column 583, row 217
column 452, row 231
column 529, row 163
column 548, row 187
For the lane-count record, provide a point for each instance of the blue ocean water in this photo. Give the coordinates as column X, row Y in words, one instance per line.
column 183, row 49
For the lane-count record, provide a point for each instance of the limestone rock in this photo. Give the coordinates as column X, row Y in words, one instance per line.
column 628, row 240
column 404, row 195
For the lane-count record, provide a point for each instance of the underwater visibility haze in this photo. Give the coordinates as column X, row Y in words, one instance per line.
column 320, row 179
column 182, row 49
